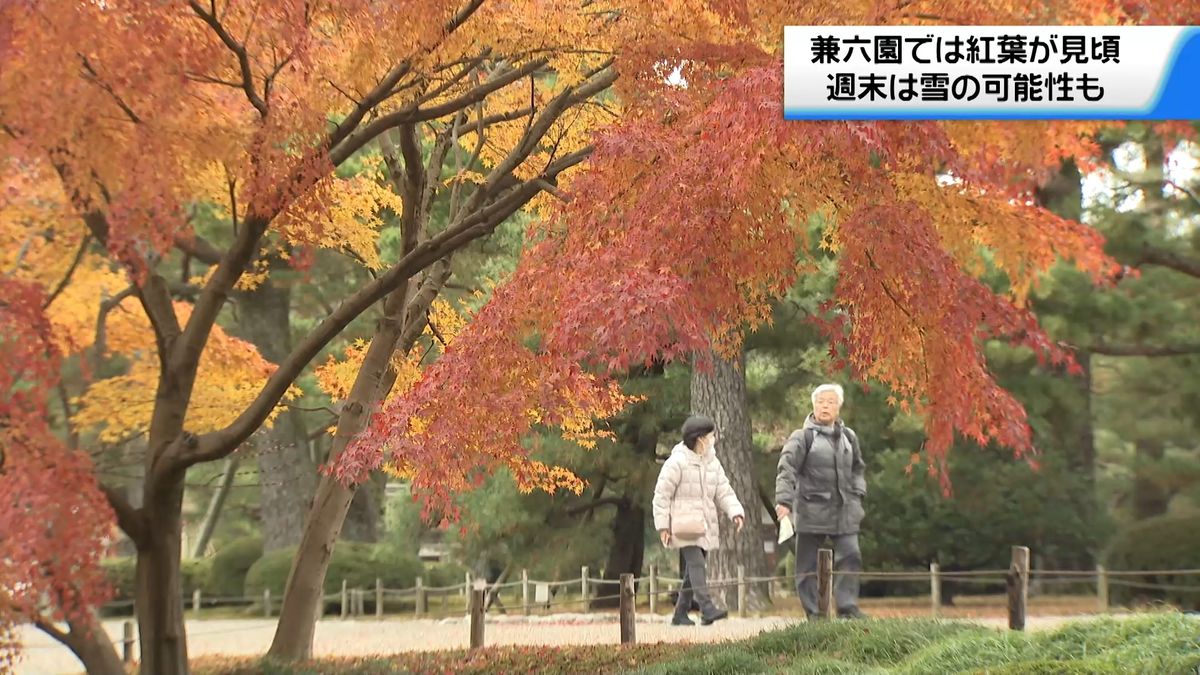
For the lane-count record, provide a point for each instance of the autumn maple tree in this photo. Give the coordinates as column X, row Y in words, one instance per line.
column 249, row 109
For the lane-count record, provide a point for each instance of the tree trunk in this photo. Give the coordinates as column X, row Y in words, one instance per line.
column 1149, row 498
column 286, row 476
column 363, row 518
column 628, row 548
column 305, row 585
column 721, row 394
column 287, row 480
column 85, row 637
column 159, row 588
column 214, row 507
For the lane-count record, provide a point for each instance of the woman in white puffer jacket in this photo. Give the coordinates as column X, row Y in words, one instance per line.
column 691, row 486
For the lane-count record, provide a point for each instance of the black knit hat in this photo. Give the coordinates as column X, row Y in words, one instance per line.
column 695, row 427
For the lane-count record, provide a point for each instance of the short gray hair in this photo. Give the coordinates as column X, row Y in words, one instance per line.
column 835, row 388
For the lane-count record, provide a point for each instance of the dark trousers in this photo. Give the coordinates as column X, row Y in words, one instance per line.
column 846, row 558
column 695, row 583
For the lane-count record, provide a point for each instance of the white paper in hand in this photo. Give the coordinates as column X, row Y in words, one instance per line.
column 786, row 530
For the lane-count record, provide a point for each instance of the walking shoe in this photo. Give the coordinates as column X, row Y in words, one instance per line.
column 709, row 620
column 682, row 621
column 851, row 613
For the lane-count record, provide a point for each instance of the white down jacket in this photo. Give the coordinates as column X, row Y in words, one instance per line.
column 699, row 481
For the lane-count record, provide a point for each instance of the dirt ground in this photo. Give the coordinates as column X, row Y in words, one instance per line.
column 353, row 637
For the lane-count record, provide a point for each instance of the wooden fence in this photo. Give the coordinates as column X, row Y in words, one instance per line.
column 539, row 595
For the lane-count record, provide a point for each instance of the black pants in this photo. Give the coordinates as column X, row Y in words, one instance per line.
column 846, row 558
column 695, row 582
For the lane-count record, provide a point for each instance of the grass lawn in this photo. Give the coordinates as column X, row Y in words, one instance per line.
column 1163, row 644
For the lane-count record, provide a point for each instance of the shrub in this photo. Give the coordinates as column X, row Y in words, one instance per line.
column 230, row 565
column 357, row 563
column 444, row 574
column 732, row 660
column 1160, row 543
column 122, row 575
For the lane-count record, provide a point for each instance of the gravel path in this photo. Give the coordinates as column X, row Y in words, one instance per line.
column 43, row 656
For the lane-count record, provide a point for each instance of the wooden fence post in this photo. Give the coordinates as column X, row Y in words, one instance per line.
column 1102, row 588
column 378, row 598
column 628, row 610
column 583, row 587
column 526, row 607
column 935, row 589
column 196, row 602
column 825, row 607
column 476, row 608
column 127, row 642
column 266, row 603
column 345, row 599
column 741, row 590
column 654, row 589
column 467, row 592
column 422, row 606
column 1018, row 587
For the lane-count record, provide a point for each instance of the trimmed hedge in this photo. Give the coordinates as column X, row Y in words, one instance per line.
column 1160, row 543
column 358, row 563
column 231, row 563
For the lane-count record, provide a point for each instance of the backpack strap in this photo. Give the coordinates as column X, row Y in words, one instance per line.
column 809, row 434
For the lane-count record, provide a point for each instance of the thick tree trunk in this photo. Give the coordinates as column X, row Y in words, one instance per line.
column 721, row 394
column 628, row 548
column 1149, row 498
column 366, row 511
column 287, row 481
column 286, row 476
column 214, row 507
column 159, row 587
column 305, row 585
column 85, row 637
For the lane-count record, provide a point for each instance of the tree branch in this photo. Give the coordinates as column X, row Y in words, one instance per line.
column 596, row 503
column 387, row 85
column 153, row 294
column 50, row 629
column 218, row 444
column 186, row 353
column 1163, row 258
column 199, row 248
column 129, row 519
column 358, row 139
column 239, row 50
column 83, row 245
column 1144, row 350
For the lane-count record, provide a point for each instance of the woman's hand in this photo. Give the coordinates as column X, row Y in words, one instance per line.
column 739, row 521
column 665, row 537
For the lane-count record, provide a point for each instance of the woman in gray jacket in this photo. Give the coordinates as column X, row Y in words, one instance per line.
column 691, row 486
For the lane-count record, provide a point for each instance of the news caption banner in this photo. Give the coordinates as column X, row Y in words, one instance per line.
column 991, row 72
